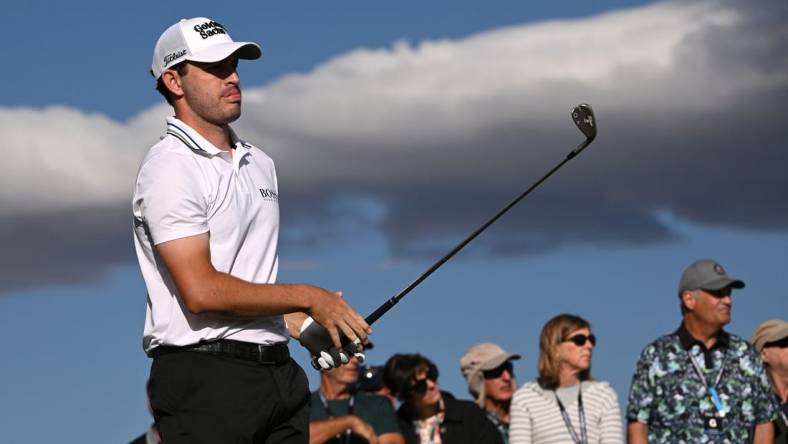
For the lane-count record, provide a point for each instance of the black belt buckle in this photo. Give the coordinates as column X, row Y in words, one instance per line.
column 269, row 355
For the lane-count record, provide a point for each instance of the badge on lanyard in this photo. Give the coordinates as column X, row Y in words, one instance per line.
column 713, row 423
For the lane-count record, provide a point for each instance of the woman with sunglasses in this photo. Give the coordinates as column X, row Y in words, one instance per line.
column 564, row 405
column 429, row 416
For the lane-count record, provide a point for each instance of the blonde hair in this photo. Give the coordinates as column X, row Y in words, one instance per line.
column 554, row 332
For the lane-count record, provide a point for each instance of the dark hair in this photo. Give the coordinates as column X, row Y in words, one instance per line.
column 554, row 332
column 370, row 378
column 400, row 370
column 181, row 68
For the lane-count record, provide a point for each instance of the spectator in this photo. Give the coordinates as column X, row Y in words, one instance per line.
column 370, row 380
column 770, row 339
column 341, row 414
column 429, row 416
column 489, row 371
column 564, row 405
column 701, row 383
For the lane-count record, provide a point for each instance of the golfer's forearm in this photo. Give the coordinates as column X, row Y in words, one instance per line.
column 323, row 430
column 220, row 292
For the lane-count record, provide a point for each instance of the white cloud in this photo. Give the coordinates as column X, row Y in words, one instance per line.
column 678, row 87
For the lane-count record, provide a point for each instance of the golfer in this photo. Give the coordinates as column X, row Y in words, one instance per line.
column 206, row 214
column 564, row 405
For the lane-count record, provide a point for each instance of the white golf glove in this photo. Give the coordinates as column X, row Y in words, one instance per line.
column 314, row 337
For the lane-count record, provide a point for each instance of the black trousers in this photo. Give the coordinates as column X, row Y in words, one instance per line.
column 199, row 397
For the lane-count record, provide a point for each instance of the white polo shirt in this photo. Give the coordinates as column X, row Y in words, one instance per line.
column 185, row 187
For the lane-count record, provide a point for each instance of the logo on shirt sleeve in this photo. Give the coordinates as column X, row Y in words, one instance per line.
column 269, row 194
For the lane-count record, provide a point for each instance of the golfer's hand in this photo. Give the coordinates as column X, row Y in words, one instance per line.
column 337, row 316
column 315, row 338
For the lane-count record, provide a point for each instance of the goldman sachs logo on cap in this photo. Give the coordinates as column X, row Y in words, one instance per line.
column 208, row 29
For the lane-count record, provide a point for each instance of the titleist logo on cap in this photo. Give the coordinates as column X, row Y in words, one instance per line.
column 174, row 56
column 208, row 29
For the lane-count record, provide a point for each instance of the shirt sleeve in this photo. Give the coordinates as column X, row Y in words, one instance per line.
column 520, row 425
column 764, row 405
column 641, row 392
column 169, row 195
column 610, row 429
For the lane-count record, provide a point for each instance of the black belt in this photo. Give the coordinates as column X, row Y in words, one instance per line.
column 262, row 354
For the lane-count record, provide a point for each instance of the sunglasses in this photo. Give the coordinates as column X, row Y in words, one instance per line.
column 781, row 343
column 420, row 386
column 580, row 339
column 721, row 293
column 498, row 371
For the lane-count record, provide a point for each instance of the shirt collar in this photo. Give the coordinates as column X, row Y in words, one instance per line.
column 193, row 139
column 687, row 340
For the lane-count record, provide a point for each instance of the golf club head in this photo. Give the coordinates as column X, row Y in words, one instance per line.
column 583, row 116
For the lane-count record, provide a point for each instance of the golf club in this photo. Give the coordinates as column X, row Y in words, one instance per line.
column 583, row 116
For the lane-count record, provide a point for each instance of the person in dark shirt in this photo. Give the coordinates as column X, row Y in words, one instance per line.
column 489, row 371
column 340, row 414
column 429, row 416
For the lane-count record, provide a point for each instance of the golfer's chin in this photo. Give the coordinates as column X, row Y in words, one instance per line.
column 233, row 113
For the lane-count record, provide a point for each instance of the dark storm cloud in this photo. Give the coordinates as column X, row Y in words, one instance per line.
column 63, row 247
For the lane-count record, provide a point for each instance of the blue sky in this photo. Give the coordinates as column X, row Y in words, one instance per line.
column 398, row 129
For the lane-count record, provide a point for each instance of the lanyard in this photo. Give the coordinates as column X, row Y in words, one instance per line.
column 350, row 403
column 711, row 388
column 583, row 439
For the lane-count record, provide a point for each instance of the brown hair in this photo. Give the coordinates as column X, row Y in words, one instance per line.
column 554, row 332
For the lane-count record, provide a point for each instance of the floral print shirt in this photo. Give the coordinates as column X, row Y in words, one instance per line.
column 670, row 397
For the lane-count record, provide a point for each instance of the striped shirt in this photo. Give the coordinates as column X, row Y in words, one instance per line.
column 536, row 417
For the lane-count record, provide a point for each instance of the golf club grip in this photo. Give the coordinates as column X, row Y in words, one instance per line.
column 389, row 304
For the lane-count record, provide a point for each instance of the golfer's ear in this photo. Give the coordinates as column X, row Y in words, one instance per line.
column 172, row 81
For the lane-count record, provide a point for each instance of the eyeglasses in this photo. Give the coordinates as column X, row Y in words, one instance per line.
column 498, row 371
column 420, row 386
column 781, row 343
column 580, row 340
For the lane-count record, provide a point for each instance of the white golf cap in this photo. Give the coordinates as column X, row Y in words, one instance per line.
column 200, row 40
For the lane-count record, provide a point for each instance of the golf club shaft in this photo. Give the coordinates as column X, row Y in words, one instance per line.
column 386, row 306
